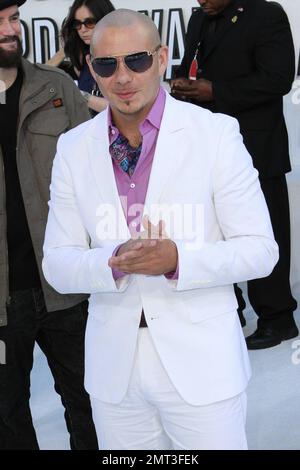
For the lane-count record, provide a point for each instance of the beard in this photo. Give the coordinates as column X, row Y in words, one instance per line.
column 10, row 59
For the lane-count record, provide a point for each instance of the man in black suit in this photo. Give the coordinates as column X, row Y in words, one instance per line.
column 239, row 60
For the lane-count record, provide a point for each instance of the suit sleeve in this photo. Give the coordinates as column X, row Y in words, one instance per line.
column 273, row 67
column 248, row 249
column 70, row 265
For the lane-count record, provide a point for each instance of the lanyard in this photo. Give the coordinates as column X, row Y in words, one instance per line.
column 194, row 64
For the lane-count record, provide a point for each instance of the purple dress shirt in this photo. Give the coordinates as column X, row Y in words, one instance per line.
column 132, row 190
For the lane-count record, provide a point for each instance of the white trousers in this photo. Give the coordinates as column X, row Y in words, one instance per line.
column 153, row 416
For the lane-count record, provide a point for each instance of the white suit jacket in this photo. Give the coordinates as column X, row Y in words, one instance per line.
column 202, row 167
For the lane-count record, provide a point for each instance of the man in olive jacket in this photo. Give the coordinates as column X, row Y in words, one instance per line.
column 37, row 104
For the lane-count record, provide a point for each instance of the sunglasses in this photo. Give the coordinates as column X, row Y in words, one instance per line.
column 138, row 62
column 88, row 23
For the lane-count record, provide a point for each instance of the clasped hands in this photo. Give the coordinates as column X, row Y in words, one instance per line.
column 200, row 90
column 153, row 253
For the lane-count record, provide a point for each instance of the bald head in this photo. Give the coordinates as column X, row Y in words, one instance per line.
column 124, row 18
column 127, row 63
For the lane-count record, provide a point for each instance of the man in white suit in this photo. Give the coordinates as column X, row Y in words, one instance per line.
column 156, row 210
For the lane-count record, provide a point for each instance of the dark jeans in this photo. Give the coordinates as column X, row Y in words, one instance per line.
column 60, row 335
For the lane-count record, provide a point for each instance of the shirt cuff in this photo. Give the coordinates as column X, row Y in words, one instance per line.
column 173, row 274
column 117, row 274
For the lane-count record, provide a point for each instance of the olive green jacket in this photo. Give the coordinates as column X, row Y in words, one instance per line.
column 50, row 104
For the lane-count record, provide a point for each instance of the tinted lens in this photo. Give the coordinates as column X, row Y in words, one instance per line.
column 105, row 67
column 139, row 62
column 76, row 24
column 88, row 23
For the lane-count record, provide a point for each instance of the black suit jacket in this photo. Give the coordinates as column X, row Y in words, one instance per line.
column 251, row 64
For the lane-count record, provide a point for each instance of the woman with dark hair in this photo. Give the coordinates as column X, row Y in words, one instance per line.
column 76, row 33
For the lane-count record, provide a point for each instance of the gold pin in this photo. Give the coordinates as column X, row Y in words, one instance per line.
column 234, row 19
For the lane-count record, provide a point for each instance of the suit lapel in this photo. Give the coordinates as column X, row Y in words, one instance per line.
column 231, row 21
column 168, row 155
column 197, row 31
column 102, row 167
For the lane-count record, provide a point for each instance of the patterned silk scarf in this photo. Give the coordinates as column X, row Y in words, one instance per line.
column 125, row 155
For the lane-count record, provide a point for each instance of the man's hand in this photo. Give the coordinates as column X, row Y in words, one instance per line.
column 151, row 254
column 200, row 90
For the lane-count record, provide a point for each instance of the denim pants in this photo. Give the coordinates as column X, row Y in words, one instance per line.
column 60, row 335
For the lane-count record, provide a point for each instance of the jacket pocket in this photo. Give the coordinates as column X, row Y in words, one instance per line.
column 43, row 131
column 51, row 122
column 211, row 303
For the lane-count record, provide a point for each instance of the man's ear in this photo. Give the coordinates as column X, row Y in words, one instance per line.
column 163, row 55
column 88, row 59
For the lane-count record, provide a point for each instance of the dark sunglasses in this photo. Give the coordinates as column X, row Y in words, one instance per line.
column 88, row 23
column 138, row 62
